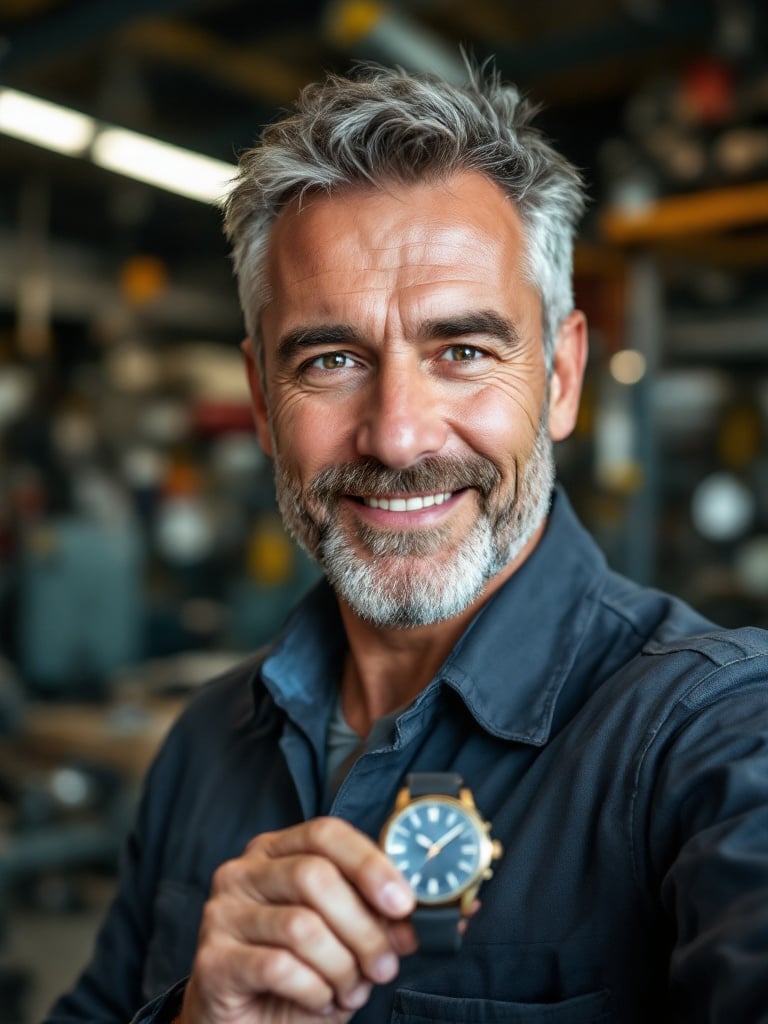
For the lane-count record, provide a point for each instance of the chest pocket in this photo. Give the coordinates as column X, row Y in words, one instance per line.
column 177, row 911
column 419, row 1008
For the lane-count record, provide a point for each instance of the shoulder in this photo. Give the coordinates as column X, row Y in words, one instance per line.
column 664, row 661
column 224, row 703
column 222, row 710
column 715, row 664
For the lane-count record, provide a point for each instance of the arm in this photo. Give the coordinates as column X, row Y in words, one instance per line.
column 709, row 815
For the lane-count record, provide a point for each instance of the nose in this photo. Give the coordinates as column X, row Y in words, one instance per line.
column 403, row 419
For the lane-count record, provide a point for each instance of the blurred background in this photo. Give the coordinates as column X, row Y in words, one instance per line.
column 140, row 552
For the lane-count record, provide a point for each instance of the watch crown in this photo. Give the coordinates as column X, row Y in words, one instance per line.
column 496, row 849
column 488, row 873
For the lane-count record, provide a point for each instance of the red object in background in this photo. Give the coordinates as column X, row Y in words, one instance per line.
column 221, row 418
column 708, row 90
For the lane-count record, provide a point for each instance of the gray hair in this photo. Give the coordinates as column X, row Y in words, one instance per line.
column 382, row 125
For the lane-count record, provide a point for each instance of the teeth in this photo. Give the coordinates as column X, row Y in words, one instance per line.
column 412, row 504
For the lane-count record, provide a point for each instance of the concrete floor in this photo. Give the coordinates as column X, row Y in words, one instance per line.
column 51, row 947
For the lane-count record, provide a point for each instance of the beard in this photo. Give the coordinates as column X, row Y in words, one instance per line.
column 409, row 578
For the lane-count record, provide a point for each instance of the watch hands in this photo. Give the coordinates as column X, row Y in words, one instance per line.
column 443, row 841
column 423, row 840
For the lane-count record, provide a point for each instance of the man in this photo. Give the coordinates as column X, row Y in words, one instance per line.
column 403, row 249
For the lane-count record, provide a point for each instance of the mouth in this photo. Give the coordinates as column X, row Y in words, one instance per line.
column 406, row 503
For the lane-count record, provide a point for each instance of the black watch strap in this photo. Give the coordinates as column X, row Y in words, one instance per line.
column 425, row 783
column 437, row 929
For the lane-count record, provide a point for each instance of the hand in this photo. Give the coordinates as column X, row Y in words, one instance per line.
column 298, row 929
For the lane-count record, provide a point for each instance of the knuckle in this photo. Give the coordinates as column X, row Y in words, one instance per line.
column 227, row 876
column 208, row 962
column 277, row 969
column 324, row 833
column 313, row 875
column 260, row 842
column 212, row 917
column 302, row 927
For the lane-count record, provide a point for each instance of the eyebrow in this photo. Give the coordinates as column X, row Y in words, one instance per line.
column 313, row 337
column 465, row 324
column 459, row 325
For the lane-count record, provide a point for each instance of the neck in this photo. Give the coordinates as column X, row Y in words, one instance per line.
column 387, row 668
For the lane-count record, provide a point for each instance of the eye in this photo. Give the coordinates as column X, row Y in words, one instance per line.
column 332, row 361
column 463, row 353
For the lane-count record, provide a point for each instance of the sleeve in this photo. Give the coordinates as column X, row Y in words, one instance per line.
column 110, row 988
column 709, row 840
column 164, row 1009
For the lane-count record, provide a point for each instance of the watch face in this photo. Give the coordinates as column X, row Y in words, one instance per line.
column 436, row 843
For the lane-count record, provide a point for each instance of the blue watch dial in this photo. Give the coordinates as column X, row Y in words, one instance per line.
column 436, row 844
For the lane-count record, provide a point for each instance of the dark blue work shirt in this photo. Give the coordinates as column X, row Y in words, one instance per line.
column 617, row 741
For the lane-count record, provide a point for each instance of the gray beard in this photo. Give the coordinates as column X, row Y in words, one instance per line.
column 400, row 580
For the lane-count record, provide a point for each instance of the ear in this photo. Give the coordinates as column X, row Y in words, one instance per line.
column 565, row 382
column 258, row 398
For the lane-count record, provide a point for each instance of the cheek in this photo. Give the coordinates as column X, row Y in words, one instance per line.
column 310, row 436
column 501, row 421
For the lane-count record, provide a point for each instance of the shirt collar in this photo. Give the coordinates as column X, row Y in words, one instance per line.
column 509, row 665
column 512, row 662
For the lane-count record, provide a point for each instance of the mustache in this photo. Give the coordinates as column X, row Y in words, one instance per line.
column 441, row 473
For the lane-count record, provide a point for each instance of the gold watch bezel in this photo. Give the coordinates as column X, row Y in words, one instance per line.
column 489, row 849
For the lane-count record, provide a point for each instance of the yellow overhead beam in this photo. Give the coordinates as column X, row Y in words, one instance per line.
column 678, row 217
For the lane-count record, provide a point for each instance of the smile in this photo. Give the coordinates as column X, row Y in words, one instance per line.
column 413, row 503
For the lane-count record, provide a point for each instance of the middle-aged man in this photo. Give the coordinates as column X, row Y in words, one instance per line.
column 403, row 249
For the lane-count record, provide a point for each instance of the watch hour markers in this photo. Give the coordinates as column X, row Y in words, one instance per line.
column 433, row 887
column 433, row 814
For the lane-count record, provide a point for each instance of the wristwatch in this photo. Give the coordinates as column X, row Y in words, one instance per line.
column 440, row 843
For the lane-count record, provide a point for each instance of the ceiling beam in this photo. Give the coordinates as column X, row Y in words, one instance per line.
column 66, row 30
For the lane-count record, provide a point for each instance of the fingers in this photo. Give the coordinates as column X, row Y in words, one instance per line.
column 229, row 978
column 358, row 859
column 311, row 917
column 315, row 902
column 326, row 962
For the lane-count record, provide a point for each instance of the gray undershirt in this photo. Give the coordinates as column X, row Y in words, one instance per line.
column 343, row 745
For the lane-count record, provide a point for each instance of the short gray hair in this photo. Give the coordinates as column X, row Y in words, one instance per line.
column 381, row 125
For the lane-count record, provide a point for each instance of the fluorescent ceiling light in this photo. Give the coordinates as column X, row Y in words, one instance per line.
column 45, row 124
column 158, row 163
column 116, row 149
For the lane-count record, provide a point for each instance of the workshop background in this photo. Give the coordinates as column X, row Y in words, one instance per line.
column 140, row 550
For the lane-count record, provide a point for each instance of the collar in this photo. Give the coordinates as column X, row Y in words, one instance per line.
column 513, row 660
column 509, row 665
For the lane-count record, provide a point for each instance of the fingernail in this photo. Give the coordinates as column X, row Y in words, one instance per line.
column 395, row 898
column 385, row 967
column 358, row 996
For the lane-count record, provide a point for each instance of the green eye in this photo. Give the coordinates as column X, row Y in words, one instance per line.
column 463, row 353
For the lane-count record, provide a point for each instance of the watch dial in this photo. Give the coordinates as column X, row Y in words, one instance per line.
column 436, row 845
